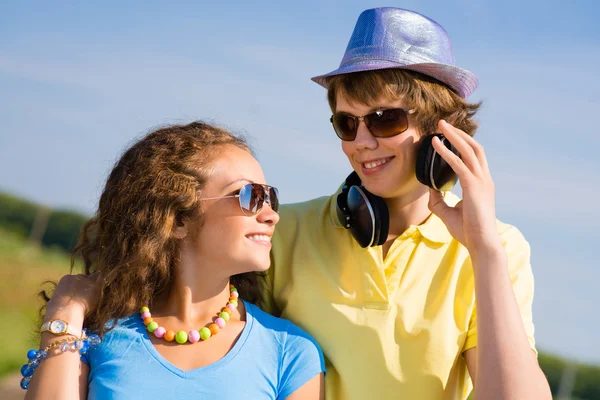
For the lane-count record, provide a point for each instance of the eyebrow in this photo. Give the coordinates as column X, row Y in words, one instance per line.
column 237, row 181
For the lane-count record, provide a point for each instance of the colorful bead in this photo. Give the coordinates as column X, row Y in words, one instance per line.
column 160, row 332
column 27, row 370
column 31, row 354
column 193, row 336
column 224, row 315
column 205, row 333
column 152, row 326
column 214, row 329
column 94, row 339
column 220, row 322
column 25, row 383
column 181, row 337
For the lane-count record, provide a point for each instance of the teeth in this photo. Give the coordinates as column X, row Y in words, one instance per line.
column 377, row 163
column 262, row 238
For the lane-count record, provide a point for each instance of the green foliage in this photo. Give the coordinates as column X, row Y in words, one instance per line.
column 61, row 228
column 16, row 214
column 23, row 268
column 553, row 367
column 587, row 382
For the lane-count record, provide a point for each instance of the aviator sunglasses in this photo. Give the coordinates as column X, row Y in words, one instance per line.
column 381, row 123
column 252, row 196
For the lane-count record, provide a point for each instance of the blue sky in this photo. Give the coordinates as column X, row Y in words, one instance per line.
column 78, row 83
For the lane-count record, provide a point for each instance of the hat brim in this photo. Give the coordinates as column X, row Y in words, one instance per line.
column 460, row 80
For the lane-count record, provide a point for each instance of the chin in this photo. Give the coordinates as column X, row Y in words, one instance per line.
column 391, row 186
column 263, row 266
column 258, row 265
column 381, row 189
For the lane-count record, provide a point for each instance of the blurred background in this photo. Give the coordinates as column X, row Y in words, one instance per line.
column 79, row 82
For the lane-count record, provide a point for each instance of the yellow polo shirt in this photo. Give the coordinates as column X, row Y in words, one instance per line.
column 392, row 328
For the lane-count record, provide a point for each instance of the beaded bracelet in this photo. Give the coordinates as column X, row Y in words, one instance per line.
column 70, row 343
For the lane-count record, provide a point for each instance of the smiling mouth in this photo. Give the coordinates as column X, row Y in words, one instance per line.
column 260, row 238
column 376, row 163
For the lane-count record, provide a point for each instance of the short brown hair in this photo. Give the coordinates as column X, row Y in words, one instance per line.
column 431, row 99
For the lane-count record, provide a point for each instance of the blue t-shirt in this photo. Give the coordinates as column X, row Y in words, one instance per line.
column 271, row 359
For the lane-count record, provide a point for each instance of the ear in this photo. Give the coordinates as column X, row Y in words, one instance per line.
column 180, row 229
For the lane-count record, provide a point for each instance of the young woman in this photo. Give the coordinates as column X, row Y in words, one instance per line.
column 183, row 224
column 431, row 293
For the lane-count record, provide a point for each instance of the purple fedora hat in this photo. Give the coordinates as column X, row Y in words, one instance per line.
column 395, row 38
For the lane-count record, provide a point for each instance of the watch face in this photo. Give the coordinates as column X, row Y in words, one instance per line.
column 58, row 326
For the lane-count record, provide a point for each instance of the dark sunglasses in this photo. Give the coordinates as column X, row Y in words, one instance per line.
column 381, row 123
column 252, row 196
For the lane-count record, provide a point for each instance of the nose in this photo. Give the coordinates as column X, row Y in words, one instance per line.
column 364, row 138
column 267, row 215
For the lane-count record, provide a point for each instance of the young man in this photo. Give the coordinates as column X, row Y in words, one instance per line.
column 411, row 293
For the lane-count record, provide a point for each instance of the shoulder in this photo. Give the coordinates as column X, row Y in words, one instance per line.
column 122, row 334
column 285, row 333
column 299, row 223
column 513, row 239
column 510, row 235
column 518, row 252
column 301, row 210
column 123, row 329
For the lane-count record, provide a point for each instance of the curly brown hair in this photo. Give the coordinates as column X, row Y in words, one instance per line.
column 431, row 99
column 155, row 184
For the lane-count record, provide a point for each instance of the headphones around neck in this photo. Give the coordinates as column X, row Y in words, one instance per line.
column 366, row 215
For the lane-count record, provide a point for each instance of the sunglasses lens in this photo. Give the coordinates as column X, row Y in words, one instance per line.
column 387, row 123
column 344, row 126
column 274, row 198
column 251, row 198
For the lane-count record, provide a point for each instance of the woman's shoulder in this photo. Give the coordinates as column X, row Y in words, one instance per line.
column 299, row 355
column 126, row 327
column 284, row 331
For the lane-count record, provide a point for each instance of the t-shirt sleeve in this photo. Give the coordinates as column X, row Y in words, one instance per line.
column 302, row 359
column 521, row 277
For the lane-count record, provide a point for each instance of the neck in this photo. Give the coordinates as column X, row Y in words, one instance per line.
column 198, row 292
column 406, row 210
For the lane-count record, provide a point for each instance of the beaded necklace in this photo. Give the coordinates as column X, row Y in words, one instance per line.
column 193, row 335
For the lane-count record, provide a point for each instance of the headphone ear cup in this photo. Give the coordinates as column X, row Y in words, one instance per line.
column 382, row 218
column 424, row 159
column 343, row 213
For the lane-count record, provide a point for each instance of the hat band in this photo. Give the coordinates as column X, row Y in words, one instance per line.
column 403, row 57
